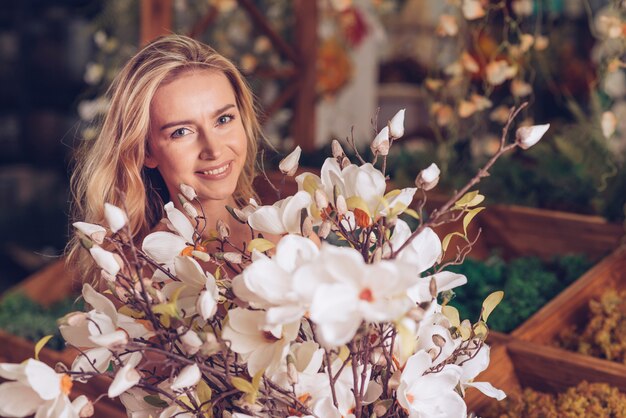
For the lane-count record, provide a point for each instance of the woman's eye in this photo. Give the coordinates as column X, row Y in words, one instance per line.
column 180, row 132
column 225, row 119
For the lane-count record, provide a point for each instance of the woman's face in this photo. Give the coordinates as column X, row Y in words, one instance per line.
column 197, row 135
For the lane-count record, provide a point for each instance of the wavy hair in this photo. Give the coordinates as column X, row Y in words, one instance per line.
column 111, row 168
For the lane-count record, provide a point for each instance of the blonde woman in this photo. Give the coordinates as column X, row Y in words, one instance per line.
column 179, row 113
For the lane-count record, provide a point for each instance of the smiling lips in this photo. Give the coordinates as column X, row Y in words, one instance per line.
column 216, row 173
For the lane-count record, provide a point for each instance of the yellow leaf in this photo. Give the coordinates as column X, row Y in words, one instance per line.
column 357, row 202
column 344, row 352
column 412, row 213
column 218, row 274
column 466, row 332
column 204, row 391
column 40, row 344
column 125, row 310
column 256, row 379
column 392, row 194
column 469, row 199
column 185, row 399
column 452, row 314
column 408, row 341
column 469, row 216
column 447, row 238
column 176, row 294
column 261, row 245
column 242, row 385
column 490, row 303
column 481, row 330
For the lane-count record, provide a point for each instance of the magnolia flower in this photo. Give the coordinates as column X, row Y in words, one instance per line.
column 472, row 367
column 306, row 358
column 428, row 178
column 443, row 113
column 198, row 290
column 35, row 388
column 466, row 109
column 261, row 347
column 430, row 395
column 272, row 283
column 115, row 217
column 188, row 376
column 527, row 136
column 522, row 7
column 289, row 164
column 95, row 232
column 135, row 404
column 93, row 73
column 473, row 9
column 500, row 114
column 520, row 88
column 380, row 144
column 126, row 377
column 447, row 26
column 283, row 217
column 396, row 125
column 497, row 72
column 541, row 42
column 106, row 260
column 191, row 342
column 352, row 292
column 469, row 63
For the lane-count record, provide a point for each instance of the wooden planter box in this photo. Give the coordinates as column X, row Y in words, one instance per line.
column 47, row 286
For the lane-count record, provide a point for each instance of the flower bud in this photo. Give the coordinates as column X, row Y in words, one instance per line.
column 223, row 230
column 321, row 200
column 187, row 191
column 84, row 406
column 527, row 136
column 116, row 218
column 210, row 346
column 380, row 145
column 232, row 257
column 292, row 371
column 336, row 149
column 396, row 125
column 190, row 210
column 608, row 123
column 289, row 164
column 188, row 376
column 201, row 255
column 191, row 342
column 307, row 227
column 93, row 231
column 438, row 340
column 324, row 229
column 428, row 178
column 345, row 162
column 341, row 205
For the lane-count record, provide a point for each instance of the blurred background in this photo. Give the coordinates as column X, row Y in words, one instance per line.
column 324, row 69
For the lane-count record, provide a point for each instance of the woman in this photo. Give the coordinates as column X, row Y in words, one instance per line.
column 179, row 113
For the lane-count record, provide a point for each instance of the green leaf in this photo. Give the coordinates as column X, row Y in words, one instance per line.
column 469, row 216
column 261, row 245
column 155, row 400
column 490, row 303
column 40, row 344
column 447, row 238
column 242, row 385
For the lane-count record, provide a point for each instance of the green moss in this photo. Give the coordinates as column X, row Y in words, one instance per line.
column 21, row 316
column 528, row 284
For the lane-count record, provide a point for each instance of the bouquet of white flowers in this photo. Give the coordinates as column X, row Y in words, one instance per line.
column 345, row 316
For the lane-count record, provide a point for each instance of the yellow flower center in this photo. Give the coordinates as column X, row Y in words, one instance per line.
column 66, row 384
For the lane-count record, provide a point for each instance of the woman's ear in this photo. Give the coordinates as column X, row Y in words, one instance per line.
column 149, row 161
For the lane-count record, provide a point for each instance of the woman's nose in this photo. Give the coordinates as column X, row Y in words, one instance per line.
column 211, row 148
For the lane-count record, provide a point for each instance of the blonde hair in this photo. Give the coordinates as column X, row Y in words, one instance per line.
column 112, row 168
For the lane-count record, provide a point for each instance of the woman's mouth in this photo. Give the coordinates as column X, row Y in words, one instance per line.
column 216, row 173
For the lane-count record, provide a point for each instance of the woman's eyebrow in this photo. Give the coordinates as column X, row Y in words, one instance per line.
column 188, row 122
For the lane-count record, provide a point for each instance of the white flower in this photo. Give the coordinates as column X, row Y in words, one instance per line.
column 472, row 367
column 126, row 377
column 380, row 144
column 115, row 217
column 191, row 342
column 106, row 260
column 472, row 9
column 35, row 389
column 179, row 222
column 307, row 360
column 447, row 26
column 93, row 73
column 527, row 136
column 520, row 88
column 189, row 376
column 352, row 292
column 609, row 124
column 187, row 191
column 89, row 109
column 136, row 406
column 199, row 290
column 428, row 178
column 498, row 71
column 283, row 217
column 469, row 63
column 261, row 347
column 289, row 164
column 93, row 231
column 522, row 7
column 430, row 395
column 396, row 125
column 272, row 283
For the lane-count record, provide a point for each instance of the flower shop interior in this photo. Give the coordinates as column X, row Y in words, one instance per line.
column 519, row 104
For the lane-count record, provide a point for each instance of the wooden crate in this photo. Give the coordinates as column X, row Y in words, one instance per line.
column 517, row 364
